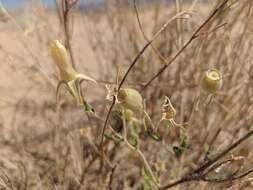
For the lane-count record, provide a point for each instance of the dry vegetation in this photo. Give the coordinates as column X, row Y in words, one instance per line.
column 43, row 147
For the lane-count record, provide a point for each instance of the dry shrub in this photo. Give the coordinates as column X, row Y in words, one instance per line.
column 46, row 148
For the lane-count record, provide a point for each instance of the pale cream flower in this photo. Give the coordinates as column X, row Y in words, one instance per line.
column 68, row 75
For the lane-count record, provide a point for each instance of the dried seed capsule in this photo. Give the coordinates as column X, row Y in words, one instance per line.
column 60, row 57
column 169, row 112
column 130, row 99
column 211, row 81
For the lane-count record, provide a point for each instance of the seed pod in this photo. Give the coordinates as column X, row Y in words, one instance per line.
column 211, row 81
column 130, row 99
column 169, row 112
column 61, row 59
column 128, row 115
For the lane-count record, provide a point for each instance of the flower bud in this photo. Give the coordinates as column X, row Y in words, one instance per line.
column 211, row 81
column 130, row 99
column 61, row 59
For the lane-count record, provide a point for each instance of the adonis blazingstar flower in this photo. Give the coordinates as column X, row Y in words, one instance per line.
column 211, row 81
column 68, row 74
column 130, row 99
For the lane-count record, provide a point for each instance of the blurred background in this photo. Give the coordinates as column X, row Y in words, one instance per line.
column 49, row 3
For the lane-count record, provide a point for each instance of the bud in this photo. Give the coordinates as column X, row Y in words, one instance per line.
column 211, row 81
column 130, row 99
column 61, row 59
column 68, row 75
column 169, row 112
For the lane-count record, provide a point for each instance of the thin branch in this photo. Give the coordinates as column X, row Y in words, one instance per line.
column 198, row 174
column 231, row 178
column 160, row 56
column 104, row 128
column 206, row 157
column 192, row 38
column 111, row 177
column 156, row 35
column 224, row 152
column 66, row 6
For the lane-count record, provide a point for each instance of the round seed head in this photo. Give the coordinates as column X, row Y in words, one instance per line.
column 128, row 114
column 211, row 81
column 130, row 99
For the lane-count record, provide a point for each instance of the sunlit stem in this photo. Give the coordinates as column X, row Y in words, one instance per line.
column 181, row 126
column 158, row 124
column 58, row 90
column 145, row 162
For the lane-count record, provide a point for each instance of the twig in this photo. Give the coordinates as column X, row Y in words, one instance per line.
column 104, row 128
column 160, row 56
column 231, row 178
column 66, row 6
column 192, row 38
column 198, row 174
column 155, row 36
column 111, row 178
column 206, row 157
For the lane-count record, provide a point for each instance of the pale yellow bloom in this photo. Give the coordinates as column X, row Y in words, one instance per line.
column 211, row 81
column 61, row 59
column 68, row 74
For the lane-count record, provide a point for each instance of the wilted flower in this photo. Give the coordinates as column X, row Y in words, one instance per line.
column 68, row 74
column 211, row 81
column 169, row 112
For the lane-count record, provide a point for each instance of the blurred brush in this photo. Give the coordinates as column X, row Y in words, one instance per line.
column 4, row 15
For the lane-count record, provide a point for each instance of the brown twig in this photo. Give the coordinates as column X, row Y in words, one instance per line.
column 198, row 174
column 160, row 56
column 111, row 177
column 191, row 39
column 104, row 128
column 155, row 36
column 231, row 178
column 63, row 13
column 206, row 157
